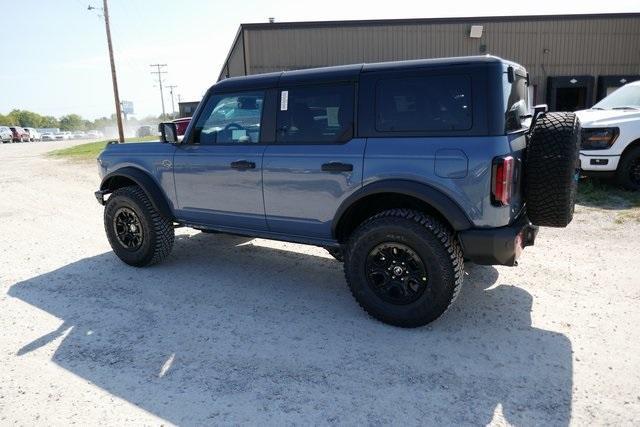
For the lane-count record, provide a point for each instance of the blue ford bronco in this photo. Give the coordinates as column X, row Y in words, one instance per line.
column 402, row 170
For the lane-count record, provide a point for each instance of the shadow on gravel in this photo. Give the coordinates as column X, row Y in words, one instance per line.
column 230, row 333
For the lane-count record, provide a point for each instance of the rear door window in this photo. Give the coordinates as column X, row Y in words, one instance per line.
column 424, row 104
column 316, row 114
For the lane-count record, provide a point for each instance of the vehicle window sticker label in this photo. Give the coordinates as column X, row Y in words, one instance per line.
column 236, row 134
column 284, row 100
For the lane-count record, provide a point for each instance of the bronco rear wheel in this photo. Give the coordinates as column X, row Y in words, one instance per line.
column 139, row 234
column 552, row 169
column 403, row 267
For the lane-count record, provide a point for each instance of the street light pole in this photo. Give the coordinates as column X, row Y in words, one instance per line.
column 116, row 95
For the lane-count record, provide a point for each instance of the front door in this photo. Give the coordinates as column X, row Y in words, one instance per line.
column 218, row 170
column 315, row 163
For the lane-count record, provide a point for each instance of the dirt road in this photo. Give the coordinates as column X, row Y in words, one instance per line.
column 232, row 330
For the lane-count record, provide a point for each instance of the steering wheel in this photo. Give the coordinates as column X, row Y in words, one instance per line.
column 234, row 126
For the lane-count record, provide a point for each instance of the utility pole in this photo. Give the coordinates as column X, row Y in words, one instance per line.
column 173, row 106
column 160, row 72
column 116, row 95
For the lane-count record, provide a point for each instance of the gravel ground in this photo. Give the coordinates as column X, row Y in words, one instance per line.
column 231, row 330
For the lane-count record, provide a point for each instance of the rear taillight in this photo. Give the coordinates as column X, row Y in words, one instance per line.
column 501, row 180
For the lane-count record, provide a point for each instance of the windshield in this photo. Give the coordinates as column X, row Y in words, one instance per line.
column 626, row 96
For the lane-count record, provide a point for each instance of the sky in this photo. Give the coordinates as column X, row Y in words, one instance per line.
column 55, row 58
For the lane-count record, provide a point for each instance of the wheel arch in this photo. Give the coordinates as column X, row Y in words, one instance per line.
column 629, row 147
column 388, row 194
column 133, row 176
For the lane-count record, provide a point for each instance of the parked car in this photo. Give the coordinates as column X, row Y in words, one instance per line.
column 611, row 137
column 34, row 135
column 181, row 126
column 95, row 134
column 48, row 136
column 19, row 134
column 61, row 136
column 443, row 179
column 145, row 130
column 6, row 135
column 79, row 135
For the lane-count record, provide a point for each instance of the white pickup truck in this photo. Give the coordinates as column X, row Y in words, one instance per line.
column 611, row 137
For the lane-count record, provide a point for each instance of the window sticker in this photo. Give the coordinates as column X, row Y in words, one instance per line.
column 284, row 100
column 236, row 134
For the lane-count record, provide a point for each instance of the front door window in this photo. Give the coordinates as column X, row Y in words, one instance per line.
column 230, row 119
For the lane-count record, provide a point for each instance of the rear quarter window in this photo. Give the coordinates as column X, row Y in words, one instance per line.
column 516, row 101
column 424, row 104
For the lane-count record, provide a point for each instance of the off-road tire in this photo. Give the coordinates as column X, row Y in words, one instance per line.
column 437, row 248
column 157, row 230
column 628, row 164
column 552, row 169
column 337, row 253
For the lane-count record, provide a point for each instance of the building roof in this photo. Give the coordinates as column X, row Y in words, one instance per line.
column 409, row 21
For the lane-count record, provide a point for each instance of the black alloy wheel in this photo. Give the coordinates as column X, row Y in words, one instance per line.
column 128, row 228
column 396, row 273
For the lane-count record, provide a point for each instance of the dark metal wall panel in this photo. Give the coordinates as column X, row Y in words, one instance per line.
column 554, row 46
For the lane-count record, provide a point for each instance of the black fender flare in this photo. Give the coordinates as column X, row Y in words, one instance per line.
column 435, row 198
column 144, row 181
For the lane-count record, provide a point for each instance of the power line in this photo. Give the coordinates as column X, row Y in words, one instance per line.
column 173, row 106
column 160, row 72
column 116, row 95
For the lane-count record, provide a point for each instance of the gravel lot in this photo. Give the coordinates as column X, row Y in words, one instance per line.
column 231, row 330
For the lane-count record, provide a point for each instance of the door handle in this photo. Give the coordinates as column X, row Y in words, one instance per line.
column 243, row 165
column 337, row 167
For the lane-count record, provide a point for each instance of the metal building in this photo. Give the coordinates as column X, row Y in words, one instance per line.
column 573, row 60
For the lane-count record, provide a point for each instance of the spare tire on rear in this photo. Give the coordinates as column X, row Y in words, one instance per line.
column 552, row 169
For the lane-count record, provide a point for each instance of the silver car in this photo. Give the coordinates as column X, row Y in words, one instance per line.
column 5, row 134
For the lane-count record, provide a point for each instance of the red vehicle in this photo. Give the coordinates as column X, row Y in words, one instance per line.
column 19, row 134
column 181, row 126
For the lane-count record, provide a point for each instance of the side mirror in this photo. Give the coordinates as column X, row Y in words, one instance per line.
column 168, row 132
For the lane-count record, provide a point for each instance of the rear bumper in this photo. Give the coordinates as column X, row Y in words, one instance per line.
column 498, row 246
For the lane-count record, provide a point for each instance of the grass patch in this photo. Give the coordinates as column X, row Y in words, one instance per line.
column 599, row 193
column 91, row 150
column 631, row 215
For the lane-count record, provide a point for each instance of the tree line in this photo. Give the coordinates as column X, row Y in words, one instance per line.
column 69, row 122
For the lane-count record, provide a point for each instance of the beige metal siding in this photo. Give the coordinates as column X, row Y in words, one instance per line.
column 236, row 59
column 549, row 47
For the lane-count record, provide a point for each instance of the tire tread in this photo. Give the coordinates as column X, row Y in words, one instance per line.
column 429, row 224
column 160, row 226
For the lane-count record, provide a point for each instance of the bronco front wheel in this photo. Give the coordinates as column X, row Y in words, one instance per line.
column 403, row 267
column 139, row 234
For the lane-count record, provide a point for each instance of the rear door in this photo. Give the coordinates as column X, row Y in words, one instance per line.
column 316, row 162
column 218, row 171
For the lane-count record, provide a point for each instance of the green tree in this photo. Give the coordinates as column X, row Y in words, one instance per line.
column 71, row 122
column 26, row 118
column 5, row 120
column 49, row 122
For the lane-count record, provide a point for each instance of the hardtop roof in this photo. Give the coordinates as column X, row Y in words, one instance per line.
column 349, row 72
